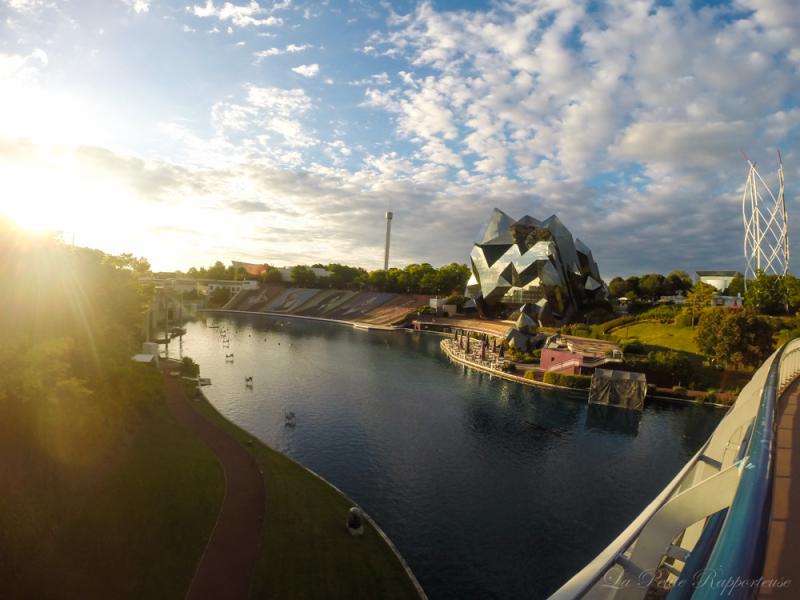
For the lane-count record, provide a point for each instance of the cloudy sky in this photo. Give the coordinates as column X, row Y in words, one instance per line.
column 282, row 131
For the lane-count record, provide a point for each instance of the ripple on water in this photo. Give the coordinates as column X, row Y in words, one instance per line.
column 488, row 488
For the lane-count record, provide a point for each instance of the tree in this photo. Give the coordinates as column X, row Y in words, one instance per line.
column 617, row 287
column 698, row 300
column 218, row 271
column 736, row 286
column 271, row 275
column 734, row 337
column 651, row 285
column 632, row 284
column 680, row 281
column 792, row 286
column 302, row 276
column 766, row 294
column 219, row 297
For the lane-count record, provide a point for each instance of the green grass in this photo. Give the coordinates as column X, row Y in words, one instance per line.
column 133, row 525
column 663, row 335
column 307, row 551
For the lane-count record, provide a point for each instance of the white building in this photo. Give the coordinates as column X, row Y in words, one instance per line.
column 718, row 279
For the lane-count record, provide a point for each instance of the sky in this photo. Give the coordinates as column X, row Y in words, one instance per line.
column 281, row 132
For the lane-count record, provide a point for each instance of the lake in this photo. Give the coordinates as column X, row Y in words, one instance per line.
column 488, row 488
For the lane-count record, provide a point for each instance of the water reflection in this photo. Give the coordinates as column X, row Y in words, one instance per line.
column 488, row 488
column 613, row 419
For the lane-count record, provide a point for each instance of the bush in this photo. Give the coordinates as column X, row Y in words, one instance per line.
column 189, row 368
column 665, row 313
column 529, row 374
column 683, row 320
column 709, row 396
column 580, row 382
column 633, row 347
column 679, row 390
column 618, row 322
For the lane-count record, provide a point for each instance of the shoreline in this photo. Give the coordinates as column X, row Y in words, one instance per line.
column 409, row 573
column 353, row 324
column 540, row 384
column 452, row 356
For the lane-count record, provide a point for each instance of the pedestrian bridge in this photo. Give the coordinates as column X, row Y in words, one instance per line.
column 722, row 528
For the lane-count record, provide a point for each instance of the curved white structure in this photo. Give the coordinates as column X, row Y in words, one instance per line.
column 712, row 517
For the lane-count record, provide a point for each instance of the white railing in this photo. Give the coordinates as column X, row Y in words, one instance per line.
column 654, row 548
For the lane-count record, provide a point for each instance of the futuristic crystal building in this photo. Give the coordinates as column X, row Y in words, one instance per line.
column 534, row 263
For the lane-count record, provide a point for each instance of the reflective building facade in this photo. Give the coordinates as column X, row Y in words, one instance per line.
column 534, row 263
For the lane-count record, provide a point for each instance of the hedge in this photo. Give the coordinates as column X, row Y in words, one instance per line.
column 580, row 382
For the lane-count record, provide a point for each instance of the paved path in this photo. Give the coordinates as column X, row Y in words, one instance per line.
column 226, row 567
column 783, row 558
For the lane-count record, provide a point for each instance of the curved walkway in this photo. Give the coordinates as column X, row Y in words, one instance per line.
column 226, row 566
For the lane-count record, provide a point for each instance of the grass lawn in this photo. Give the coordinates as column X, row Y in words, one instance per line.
column 307, row 551
column 664, row 335
column 132, row 526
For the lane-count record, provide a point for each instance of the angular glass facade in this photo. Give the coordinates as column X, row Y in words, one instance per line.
column 532, row 262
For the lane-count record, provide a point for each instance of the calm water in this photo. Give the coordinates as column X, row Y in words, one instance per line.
column 488, row 488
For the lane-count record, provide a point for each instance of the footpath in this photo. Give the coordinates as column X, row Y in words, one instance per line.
column 228, row 561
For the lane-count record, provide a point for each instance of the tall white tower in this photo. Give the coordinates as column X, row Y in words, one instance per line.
column 766, row 228
column 389, row 216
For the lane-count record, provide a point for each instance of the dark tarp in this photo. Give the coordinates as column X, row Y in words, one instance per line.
column 618, row 388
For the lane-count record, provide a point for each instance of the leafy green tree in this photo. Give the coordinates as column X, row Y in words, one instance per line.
column 343, row 276
column 617, row 287
column 676, row 365
column 303, row 276
column 271, row 275
column 734, row 337
column 766, row 294
column 218, row 271
column 736, row 286
column 792, row 286
column 633, row 291
column 651, row 286
column 219, row 297
column 698, row 300
column 680, row 281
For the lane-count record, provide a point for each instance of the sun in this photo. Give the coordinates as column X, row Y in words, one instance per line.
column 64, row 196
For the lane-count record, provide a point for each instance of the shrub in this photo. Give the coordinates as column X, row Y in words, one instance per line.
column 683, row 320
column 709, row 396
column 679, row 390
column 581, row 382
column 633, row 347
column 529, row 374
column 618, row 322
column 189, row 368
column 664, row 313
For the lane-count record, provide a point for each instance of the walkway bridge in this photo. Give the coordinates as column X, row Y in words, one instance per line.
column 722, row 528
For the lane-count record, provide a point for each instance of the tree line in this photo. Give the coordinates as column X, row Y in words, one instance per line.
column 416, row 278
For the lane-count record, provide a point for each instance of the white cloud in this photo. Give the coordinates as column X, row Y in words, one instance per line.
column 307, row 70
column 281, row 101
column 289, row 49
column 379, row 79
column 138, row 6
column 246, row 15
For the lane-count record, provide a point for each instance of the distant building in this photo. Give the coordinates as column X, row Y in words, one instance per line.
column 233, row 286
column 718, row 279
column 286, row 273
column 727, row 301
